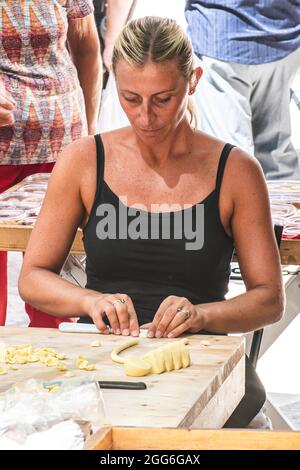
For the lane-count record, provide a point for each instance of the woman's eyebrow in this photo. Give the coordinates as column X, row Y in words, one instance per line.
column 165, row 91
column 154, row 94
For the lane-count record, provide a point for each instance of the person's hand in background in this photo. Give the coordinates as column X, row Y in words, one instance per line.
column 107, row 56
column 7, row 106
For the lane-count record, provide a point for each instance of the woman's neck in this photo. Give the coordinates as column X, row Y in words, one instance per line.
column 178, row 143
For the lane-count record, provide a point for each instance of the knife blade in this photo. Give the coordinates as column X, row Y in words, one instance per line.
column 122, row 385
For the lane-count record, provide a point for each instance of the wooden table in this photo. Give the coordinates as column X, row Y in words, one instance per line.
column 121, row 438
column 15, row 238
column 201, row 396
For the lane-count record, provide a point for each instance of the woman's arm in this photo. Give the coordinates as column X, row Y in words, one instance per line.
column 258, row 256
column 68, row 200
column 84, row 48
column 257, row 252
column 116, row 17
column 62, row 212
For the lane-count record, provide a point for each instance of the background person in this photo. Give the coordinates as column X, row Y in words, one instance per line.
column 110, row 17
column 250, row 53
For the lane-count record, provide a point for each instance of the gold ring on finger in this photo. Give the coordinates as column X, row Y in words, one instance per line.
column 116, row 301
column 186, row 314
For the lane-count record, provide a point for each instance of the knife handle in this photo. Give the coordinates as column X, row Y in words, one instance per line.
column 122, row 385
column 74, row 327
column 78, row 328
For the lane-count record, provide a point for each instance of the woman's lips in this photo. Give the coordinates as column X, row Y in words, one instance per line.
column 150, row 131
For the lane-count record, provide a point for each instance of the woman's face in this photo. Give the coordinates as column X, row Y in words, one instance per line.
column 154, row 98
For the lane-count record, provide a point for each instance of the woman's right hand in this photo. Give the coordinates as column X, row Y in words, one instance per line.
column 7, row 106
column 119, row 310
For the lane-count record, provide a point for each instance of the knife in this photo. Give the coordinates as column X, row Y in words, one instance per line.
column 122, row 385
column 74, row 327
column 108, row 384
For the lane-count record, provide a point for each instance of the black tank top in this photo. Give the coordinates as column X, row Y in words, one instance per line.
column 150, row 268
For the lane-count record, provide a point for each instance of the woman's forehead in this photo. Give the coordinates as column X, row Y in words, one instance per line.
column 165, row 74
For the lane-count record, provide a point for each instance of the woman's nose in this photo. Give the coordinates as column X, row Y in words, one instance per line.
column 146, row 115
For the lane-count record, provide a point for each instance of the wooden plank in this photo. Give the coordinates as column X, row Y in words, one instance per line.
column 290, row 252
column 100, row 440
column 223, row 403
column 171, row 400
column 186, row 439
column 15, row 238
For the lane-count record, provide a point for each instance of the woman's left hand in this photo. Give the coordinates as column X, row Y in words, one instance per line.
column 174, row 316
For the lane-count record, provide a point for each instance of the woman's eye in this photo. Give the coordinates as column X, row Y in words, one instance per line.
column 131, row 100
column 163, row 100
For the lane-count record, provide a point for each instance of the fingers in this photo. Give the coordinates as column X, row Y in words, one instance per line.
column 134, row 327
column 179, row 318
column 97, row 316
column 6, row 117
column 170, row 314
column 125, row 313
column 146, row 326
column 7, row 102
column 7, row 106
column 179, row 330
column 152, row 330
column 120, row 313
column 108, row 65
column 107, row 56
column 112, row 316
column 166, row 319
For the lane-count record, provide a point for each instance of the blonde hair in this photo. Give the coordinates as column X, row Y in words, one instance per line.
column 158, row 40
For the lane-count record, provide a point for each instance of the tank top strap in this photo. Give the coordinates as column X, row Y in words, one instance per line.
column 221, row 167
column 100, row 163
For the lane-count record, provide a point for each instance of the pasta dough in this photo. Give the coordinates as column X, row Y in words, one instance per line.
column 169, row 357
column 135, row 366
column 115, row 353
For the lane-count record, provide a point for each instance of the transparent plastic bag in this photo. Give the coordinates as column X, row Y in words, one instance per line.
column 30, row 407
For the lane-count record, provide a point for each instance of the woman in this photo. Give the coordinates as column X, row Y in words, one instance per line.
column 149, row 265
column 42, row 106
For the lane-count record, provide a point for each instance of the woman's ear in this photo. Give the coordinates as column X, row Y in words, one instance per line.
column 197, row 73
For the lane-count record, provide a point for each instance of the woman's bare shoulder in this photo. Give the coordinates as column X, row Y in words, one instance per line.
column 116, row 136
column 77, row 165
column 244, row 166
column 243, row 176
column 78, row 152
column 244, row 180
column 240, row 162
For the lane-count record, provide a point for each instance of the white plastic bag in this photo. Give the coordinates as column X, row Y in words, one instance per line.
column 111, row 114
column 28, row 407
